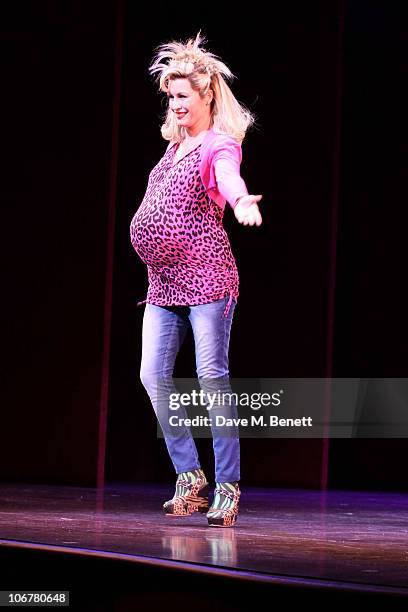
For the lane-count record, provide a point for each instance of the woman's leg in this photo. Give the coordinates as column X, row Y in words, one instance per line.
column 164, row 330
column 211, row 331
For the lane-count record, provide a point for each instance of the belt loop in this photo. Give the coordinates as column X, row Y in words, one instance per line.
column 228, row 306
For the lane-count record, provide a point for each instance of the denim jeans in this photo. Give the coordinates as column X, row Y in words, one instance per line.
column 164, row 329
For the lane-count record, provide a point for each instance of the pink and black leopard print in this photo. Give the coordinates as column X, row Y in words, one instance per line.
column 178, row 233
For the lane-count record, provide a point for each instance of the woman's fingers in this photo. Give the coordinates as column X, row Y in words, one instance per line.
column 251, row 216
column 247, row 211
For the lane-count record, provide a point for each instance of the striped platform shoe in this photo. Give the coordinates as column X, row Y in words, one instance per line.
column 224, row 509
column 191, row 495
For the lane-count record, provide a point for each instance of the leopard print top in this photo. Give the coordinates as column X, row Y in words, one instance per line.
column 178, row 233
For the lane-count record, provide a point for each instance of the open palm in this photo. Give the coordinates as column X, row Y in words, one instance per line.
column 246, row 210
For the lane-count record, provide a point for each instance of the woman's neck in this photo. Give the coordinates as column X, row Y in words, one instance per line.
column 190, row 138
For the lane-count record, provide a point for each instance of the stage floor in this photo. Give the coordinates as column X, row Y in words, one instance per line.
column 351, row 538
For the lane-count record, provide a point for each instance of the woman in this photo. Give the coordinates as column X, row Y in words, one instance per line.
column 193, row 280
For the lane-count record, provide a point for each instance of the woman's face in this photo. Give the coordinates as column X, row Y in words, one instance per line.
column 191, row 111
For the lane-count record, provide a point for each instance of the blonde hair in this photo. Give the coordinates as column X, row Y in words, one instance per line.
column 204, row 71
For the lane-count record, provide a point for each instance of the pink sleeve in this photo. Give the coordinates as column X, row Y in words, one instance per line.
column 226, row 163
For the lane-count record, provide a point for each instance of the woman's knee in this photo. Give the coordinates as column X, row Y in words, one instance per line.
column 213, row 370
column 147, row 378
column 152, row 379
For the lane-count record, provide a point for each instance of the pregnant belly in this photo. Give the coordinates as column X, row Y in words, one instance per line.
column 179, row 240
column 158, row 245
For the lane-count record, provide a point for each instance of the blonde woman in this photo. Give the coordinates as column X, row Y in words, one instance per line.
column 193, row 280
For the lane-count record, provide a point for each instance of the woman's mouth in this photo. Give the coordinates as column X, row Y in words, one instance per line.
column 180, row 115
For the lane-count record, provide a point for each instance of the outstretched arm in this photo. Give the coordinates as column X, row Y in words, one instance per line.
column 231, row 185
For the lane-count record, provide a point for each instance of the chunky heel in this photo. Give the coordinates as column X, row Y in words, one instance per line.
column 191, row 495
column 204, row 509
column 224, row 509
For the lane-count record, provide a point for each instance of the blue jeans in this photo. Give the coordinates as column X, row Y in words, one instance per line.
column 164, row 329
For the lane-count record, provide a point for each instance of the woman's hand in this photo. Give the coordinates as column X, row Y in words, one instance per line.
column 246, row 210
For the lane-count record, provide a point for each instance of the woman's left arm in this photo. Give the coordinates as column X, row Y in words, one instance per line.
column 231, row 185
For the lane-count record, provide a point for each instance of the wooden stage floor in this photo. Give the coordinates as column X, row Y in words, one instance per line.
column 344, row 539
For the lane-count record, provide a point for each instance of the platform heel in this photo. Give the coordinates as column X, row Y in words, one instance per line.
column 191, row 495
column 224, row 508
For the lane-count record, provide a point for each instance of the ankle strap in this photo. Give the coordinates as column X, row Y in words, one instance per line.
column 232, row 496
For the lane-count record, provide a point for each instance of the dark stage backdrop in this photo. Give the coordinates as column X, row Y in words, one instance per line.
column 322, row 280
column 57, row 122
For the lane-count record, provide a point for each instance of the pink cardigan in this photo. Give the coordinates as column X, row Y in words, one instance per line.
column 220, row 160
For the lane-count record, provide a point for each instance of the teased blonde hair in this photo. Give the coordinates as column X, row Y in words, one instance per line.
column 204, row 71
